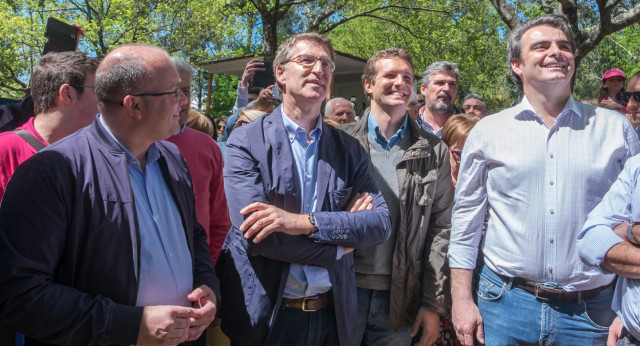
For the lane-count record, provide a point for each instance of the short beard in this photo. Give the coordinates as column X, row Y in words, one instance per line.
column 437, row 107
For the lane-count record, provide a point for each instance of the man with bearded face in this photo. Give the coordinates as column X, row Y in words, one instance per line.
column 440, row 89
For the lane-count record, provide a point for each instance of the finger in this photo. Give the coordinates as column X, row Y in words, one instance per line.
column 253, row 207
column 479, row 333
column 366, row 203
column 370, row 206
column 264, row 233
column 195, row 332
column 181, row 312
column 416, row 327
column 258, row 226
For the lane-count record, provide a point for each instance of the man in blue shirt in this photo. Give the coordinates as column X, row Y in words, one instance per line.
column 286, row 264
column 440, row 89
column 98, row 231
column 611, row 239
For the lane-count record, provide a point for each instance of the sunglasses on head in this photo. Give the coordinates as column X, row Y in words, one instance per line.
column 627, row 95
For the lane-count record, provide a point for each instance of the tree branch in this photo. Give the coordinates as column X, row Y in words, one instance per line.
column 507, row 13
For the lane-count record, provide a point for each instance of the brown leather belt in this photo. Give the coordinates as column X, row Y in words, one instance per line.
column 543, row 292
column 310, row 304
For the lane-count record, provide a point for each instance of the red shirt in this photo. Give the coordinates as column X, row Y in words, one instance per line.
column 204, row 160
column 14, row 151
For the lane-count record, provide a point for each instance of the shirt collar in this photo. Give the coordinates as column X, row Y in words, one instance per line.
column 374, row 131
column 570, row 106
column 152, row 152
column 294, row 131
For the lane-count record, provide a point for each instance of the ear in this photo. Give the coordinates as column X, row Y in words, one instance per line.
column 280, row 71
column 423, row 89
column 368, row 87
column 132, row 105
column 66, row 94
column 516, row 66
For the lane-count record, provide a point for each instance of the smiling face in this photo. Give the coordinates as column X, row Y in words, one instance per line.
column 393, row 84
column 441, row 92
column 305, row 84
column 633, row 105
column 547, row 59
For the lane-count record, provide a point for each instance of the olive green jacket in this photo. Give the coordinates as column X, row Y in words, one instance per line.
column 420, row 271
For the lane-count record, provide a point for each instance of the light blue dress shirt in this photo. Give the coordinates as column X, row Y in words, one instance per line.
column 620, row 204
column 374, row 131
column 305, row 280
column 537, row 185
column 166, row 275
column 425, row 126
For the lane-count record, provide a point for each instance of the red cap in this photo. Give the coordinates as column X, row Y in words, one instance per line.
column 614, row 72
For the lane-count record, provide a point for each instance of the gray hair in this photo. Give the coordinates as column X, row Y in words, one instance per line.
column 514, row 41
column 437, row 67
column 328, row 107
column 182, row 66
column 477, row 97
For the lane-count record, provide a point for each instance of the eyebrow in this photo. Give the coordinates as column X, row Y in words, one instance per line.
column 549, row 41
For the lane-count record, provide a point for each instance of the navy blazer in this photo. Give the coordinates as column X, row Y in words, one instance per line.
column 260, row 167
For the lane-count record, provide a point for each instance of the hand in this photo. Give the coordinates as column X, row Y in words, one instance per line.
column 252, row 66
column 204, row 311
column 361, row 201
column 164, row 325
column 429, row 320
column 266, row 93
column 621, row 230
column 611, row 105
column 80, row 33
column 266, row 219
column 466, row 319
column 347, row 250
column 615, row 330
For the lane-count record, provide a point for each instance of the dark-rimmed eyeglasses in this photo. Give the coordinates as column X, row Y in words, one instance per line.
column 627, row 95
column 175, row 92
column 309, row 61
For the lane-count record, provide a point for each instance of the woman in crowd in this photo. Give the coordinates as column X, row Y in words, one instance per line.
column 612, row 85
column 454, row 134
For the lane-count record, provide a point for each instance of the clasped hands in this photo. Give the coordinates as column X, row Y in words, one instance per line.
column 168, row 324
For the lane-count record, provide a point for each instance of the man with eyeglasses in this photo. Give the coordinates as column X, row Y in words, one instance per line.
column 286, row 264
column 611, row 238
column 98, row 231
column 534, row 172
column 64, row 100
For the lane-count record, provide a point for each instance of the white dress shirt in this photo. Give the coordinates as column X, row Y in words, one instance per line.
column 537, row 185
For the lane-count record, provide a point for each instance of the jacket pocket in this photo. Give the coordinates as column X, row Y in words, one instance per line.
column 425, row 187
column 341, row 198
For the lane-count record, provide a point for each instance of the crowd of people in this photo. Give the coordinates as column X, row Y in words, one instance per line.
column 300, row 221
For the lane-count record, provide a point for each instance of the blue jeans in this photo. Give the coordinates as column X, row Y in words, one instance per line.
column 373, row 321
column 294, row 327
column 513, row 316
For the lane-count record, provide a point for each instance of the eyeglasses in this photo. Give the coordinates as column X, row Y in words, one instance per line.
column 309, row 61
column 175, row 92
column 82, row 86
column 627, row 95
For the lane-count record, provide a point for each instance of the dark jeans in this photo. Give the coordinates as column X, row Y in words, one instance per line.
column 296, row 327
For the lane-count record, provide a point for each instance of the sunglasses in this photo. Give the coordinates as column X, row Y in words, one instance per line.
column 627, row 95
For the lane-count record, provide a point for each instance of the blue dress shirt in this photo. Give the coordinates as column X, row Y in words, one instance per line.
column 374, row 131
column 304, row 280
column 425, row 126
column 537, row 185
column 166, row 275
column 620, row 204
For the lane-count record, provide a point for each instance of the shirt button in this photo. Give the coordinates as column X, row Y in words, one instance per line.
column 170, row 254
column 551, row 211
column 551, row 155
column 550, row 269
column 551, row 182
column 308, row 176
column 156, row 217
column 306, row 205
column 551, row 239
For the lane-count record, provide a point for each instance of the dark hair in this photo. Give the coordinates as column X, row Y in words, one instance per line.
column 370, row 67
column 284, row 52
column 56, row 69
column 514, row 41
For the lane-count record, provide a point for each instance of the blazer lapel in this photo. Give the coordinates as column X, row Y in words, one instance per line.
column 325, row 171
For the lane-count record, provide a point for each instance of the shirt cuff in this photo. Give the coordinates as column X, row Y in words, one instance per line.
column 462, row 257
column 595, row 244
column 340, row 252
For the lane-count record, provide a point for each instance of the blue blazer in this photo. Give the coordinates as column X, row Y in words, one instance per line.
column 260, row 168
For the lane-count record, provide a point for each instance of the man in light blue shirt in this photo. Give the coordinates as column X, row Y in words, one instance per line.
column 287, row 262
column 615, row 249
column 535, row 171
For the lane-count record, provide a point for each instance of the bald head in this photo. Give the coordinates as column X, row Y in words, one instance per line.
column 125, row 70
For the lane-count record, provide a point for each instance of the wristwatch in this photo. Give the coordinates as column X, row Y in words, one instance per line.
column 312, row 220
column 630, row 231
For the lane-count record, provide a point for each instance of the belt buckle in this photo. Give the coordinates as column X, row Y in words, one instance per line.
column 304, row 303
column 538, row 296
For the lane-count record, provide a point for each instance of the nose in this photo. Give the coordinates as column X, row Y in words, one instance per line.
column 182, row 98
column 554, row 49
column 317, row 67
